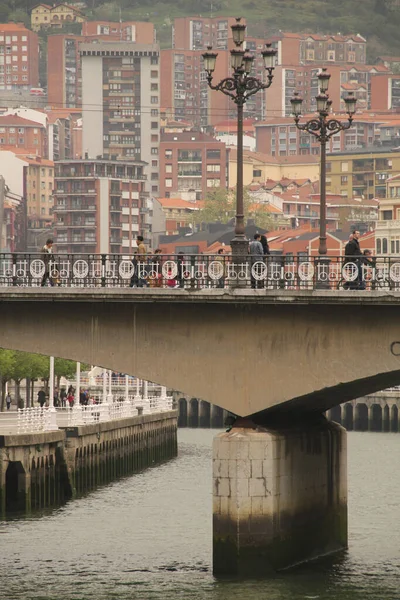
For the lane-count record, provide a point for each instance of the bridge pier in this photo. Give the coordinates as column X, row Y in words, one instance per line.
column 280, row 496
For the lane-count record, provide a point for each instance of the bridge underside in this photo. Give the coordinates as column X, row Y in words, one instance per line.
column 248, row 354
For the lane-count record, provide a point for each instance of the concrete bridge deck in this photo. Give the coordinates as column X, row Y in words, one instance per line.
column 213, row 296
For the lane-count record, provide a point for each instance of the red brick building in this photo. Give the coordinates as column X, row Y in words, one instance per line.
column 280, row 136
column 23, row 134
column 191, row 164
column 19, row 57
column 140, row 32
column 310, row 48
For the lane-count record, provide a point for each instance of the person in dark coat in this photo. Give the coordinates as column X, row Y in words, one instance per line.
column 352, row 254
column 264, row 244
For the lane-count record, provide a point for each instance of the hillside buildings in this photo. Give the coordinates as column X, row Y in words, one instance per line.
column 19, row 57
column 54, row 15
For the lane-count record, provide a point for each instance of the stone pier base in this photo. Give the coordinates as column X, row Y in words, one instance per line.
column 280, row 497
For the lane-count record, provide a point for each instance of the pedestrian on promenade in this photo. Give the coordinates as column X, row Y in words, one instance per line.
column 47, row 254
column 256, row 252
column 352, row 254
column 70, row 396
column 142, row 253
column 41, row 398
column 8, row 401
column 366, row 264
column 155, row 275
column 221, row 259
column 63, row 397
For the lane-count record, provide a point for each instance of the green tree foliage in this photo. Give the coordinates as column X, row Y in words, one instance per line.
column 17, row 366
column 220, row 207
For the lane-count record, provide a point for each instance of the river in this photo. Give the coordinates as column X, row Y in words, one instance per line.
column 149, row 537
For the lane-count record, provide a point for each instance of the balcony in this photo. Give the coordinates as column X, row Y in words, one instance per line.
column 392, row 224
column 194, row 158
column 189, row 174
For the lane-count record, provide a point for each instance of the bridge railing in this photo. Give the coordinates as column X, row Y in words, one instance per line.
column 193, row 272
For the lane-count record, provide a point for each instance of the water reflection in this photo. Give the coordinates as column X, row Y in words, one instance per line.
column 149, row 537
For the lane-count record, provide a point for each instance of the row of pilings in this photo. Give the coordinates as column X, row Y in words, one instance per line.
column 374, row 414
column 42, row 471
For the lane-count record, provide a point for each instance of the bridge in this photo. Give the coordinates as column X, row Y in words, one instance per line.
column 276, row 345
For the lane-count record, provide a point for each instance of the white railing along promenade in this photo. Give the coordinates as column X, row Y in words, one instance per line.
column 34, row 420
column 25, row 420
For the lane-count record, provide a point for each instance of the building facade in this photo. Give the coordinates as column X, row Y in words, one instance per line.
column 100, row 206
column 141, row 32
column 191, row 165
column 19, row 57
column 305, row 48
column 196, row 33
column 23, row 134
column 54, row 15
column 122, row 80
column 362, row 173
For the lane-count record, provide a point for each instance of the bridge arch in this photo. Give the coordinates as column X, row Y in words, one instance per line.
column 246, row 352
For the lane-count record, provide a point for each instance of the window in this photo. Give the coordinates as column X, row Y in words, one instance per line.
column 154, row 151
column 153, row 73
column 168, row 154
column 154, row 60
column 154, row 87
column 213, row 168
column 378, row 246
column 256, row 172
column 387, row 215
column 154, row 188
column 154, row 112
column 154, row 99
column 43, row 198
column 168, row 168
column 168, row 183
column 344, row 179
column 154, row 163
column 154, row 138
column 213, row 153
column 12, row 130
column 344, row 167
column 154, row 125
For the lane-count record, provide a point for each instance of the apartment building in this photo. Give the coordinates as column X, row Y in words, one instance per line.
column 387, row 230
column 191, row 164
column 54, row 15
column 306, row 48
column 196, row 33
column 304, row 79
column 100, row 206
column 32, row 178
column 19, row 57
column 20, row 133
column 140, row 32
column 280, row 136
column 362, row 173
column 121, row 81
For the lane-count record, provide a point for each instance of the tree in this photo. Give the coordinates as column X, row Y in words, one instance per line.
column 65, row 368
column 220, row 206
column 7, row 361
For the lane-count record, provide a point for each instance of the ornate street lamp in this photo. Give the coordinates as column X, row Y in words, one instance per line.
column 239, row 87
column 323, row 128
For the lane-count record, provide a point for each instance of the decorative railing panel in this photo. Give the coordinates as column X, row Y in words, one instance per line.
column 193, row 272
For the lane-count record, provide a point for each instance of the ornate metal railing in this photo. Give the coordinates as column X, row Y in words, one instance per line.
column 193, row 272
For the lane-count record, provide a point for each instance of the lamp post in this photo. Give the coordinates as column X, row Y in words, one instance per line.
column 323, row 128
column 239, row 87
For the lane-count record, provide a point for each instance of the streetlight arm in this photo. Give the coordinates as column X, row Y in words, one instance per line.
column 240, row 87
column 322, row 128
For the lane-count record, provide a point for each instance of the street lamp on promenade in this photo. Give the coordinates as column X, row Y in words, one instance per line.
column 239, row 87
column 323, row 129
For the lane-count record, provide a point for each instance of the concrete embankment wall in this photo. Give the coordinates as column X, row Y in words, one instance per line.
column 46, row 469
